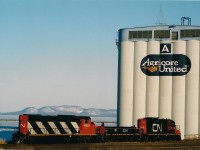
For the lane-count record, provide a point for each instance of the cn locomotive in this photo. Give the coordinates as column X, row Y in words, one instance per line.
column 80, row 129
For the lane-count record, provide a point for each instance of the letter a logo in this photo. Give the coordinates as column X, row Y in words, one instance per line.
column 165, row 48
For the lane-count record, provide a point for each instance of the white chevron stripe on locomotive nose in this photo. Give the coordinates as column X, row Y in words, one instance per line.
column 75, row 125
column 54, row 128
column 42, row 127
column 65, row 127
column 30, row 129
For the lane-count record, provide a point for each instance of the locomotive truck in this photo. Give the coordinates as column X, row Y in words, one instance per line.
column 80, row 129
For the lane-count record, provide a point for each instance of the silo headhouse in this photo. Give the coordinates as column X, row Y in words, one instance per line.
column 158, row 75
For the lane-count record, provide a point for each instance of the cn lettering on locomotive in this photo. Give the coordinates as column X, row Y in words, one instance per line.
column 125, row 130
column 157, row 127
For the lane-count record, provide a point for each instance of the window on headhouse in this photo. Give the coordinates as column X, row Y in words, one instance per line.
column 161, row 34
column 174, row 35
column 140, row 34
column 190, row 33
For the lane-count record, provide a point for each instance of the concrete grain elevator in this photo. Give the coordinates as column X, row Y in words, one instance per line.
column 158, row 75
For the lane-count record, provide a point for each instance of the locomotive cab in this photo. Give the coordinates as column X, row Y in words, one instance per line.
column 87, row 126
column 171, row 126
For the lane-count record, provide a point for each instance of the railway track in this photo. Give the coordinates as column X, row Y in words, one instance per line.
column 191, row 144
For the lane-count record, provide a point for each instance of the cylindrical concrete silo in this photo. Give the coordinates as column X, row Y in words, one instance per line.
column 139, row 86
column 199, row 92
column 125, row 83
column 152, row 84
column 178, row 88
column 192, row 89
column 165, row 95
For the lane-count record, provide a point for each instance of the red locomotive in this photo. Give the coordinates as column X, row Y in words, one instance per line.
column 76, row 129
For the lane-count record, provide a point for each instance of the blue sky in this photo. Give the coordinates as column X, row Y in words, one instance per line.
column 63, row 52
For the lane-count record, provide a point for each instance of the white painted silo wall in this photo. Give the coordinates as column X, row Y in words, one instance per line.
column 125, row 83
column 192, row 89
column 152, row 84
column 178, row 91
column 165, row 95
column 139, row 86
column 199, row 92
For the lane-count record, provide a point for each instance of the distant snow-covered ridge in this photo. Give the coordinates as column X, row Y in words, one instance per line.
column 66, row 110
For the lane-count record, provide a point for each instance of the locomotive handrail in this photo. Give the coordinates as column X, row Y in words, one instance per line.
column 94, row 121
column 105, row 122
